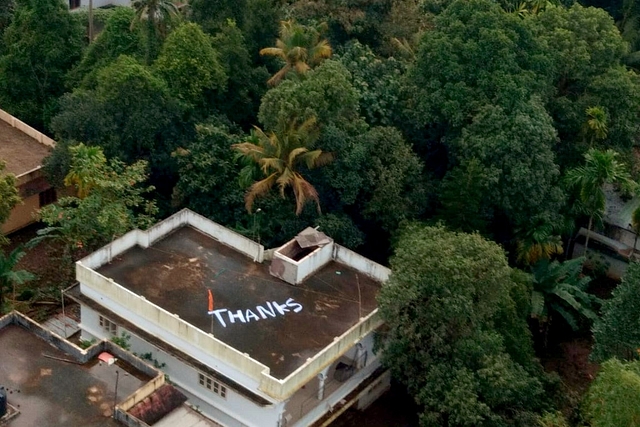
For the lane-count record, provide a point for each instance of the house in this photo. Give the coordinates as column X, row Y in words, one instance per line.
column 23, row 148
column 75, row 4
column 250, row 343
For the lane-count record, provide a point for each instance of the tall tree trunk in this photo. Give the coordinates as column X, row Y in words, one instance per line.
column 90, row 21
column 586, row 242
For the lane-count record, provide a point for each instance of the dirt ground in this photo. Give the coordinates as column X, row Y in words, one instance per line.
column 44, row 261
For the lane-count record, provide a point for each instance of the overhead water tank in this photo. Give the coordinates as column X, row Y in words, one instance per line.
column 3, row 402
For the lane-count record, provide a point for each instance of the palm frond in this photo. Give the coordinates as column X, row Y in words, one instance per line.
column 304, row 191
column 259, row 189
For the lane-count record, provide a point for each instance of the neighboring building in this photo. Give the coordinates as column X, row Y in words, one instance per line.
column 23, row 148
column 48, row 381
column 75, row 4
column 289, row 344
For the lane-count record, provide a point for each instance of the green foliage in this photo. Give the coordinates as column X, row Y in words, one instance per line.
column 441, row 307
column 326, row 93
column 513, row 149
column 246, row 83
column 189, row 64
column 613, row 399
column 9, row 196
column 377, row 175
column 158, row 17
column 212, row 15
column 476, row 56
column 41, row 44
column 561, row 288
column 377, row 80
column 300, row 47
column 117, row 38
column 280, row 157
column 122, row 341
column 126, row 114
column 585, row 51
column 617, row 333
column 9, row 276
column 600, row 168
column 112, row 206
column 208, row 181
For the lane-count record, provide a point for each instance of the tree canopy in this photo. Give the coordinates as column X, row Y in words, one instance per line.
column 441, row 305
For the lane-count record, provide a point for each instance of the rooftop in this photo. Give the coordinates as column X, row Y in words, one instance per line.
column 50, row 389
column 19, row 151
column 277, row 324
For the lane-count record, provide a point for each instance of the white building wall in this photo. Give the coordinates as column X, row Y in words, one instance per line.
column 102, row 3
column 234, row 410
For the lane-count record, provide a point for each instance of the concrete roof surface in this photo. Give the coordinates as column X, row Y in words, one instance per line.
column 19, row 151
column 177, row 272
column 185, row 417
column 54, row 393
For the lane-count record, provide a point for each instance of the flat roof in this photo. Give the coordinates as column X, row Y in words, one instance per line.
column 49, row 391
column 19, row 151
column 277, row 324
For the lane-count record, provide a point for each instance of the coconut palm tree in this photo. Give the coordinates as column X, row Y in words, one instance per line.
column 301, row 47
column 600, row 168
column 157, row 14
column 279, row 156
column 538, row 242
column 596, row 125
column 9, row 277
column 560, row 288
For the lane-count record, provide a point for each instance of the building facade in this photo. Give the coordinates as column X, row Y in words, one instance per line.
column 23, row 149
column 251, row 343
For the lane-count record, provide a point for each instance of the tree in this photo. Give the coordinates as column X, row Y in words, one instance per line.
column 326, row 94
column 617, row 333
column 87, row 163
column 190, row 65
column 538, row 242
column 449, row 307
column 41, row 44
column 279, row 157
column 9, row 196
column 376, row 177
column 600, row 168
column 9, row 276
column 113, row 205
column 245, row 87
column 208, row 173
column 514, row 147
column 156, row 14
column 561, row 288
column 469, row 61
column 300, row 47
column 613, row 399
column 117, row 38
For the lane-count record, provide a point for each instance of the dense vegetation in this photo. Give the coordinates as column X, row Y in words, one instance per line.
column 464, row 142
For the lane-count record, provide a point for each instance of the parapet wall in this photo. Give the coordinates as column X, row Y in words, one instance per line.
column 83, row 356
column 25, row 128
column 185, row 217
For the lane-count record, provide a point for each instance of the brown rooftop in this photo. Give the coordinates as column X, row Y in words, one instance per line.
column 20, row 152
column 277, row 324
column 49, row 389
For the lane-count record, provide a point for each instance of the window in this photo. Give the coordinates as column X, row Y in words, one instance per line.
column 74, row 4
column 48, row 196
column 213, row 385
column 108, row 326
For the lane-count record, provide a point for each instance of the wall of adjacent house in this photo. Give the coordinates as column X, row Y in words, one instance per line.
column 22, row 214
column 234, row 410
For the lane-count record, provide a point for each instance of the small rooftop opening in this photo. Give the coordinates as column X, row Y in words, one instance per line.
column 301, row 256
